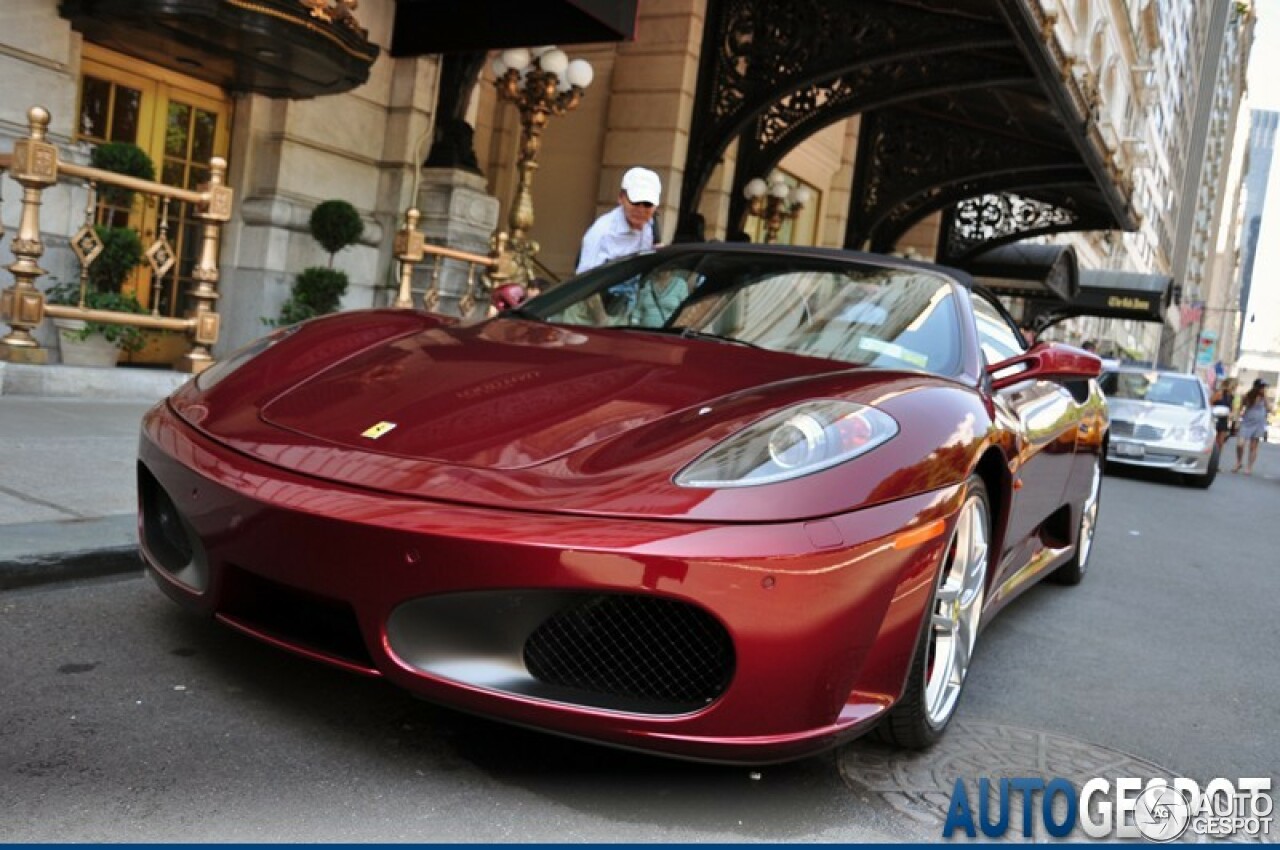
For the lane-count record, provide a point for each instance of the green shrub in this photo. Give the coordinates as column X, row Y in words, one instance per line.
column 121, row 254
column 130, row 339
column 335, row 225
column 121, row 158
column 316, row 291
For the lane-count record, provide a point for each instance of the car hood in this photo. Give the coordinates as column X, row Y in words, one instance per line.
column 513, row 394
column 1157, row 415
column 518, row 414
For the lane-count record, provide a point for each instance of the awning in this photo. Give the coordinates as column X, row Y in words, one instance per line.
column 1123, row 295
column 433, row 26
column 277, row 48
column 1111, row 295
column 1029, row 271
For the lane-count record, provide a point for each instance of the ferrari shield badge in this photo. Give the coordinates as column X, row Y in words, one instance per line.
column 373, row 432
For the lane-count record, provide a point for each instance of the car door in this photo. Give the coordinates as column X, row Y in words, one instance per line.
column 1044, row 416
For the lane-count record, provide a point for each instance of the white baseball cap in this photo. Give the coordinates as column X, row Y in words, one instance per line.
column 642, row 186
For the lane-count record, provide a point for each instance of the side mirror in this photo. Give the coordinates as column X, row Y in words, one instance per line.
column 1052, row 360
column 1221, row 411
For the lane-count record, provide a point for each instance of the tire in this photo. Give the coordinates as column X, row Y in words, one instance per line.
column 1072, row 572
column 949, row 632
column 1204, row 482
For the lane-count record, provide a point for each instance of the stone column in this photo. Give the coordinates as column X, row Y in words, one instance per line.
column 457, row 212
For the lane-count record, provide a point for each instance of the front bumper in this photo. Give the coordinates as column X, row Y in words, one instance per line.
column 798, row 634
column 1174, row 457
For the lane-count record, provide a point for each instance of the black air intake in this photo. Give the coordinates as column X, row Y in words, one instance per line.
column 634, row 646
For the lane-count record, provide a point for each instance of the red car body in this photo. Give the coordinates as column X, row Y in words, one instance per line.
column 487, row 515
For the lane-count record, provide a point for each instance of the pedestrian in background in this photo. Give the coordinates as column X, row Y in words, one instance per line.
column 1224, row 395
column 1253, row 425
column 628, row 227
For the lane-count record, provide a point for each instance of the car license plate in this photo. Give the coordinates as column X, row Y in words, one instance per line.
column 1128, row 449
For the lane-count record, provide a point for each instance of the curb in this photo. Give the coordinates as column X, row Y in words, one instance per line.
column 51, row 569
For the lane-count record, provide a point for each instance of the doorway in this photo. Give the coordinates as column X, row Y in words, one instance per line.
column 180, row 123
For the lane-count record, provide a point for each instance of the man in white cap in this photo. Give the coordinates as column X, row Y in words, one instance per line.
column 628, row 227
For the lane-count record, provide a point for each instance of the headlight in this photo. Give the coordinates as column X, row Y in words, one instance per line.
column 797, row 441
column 1197, row 432
column 209, row 378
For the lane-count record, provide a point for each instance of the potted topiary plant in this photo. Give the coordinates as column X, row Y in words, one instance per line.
column 122, row 158
column 98, row 343
column 318, row 290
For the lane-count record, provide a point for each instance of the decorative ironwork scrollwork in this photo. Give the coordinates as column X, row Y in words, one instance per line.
column 791, row 119
column 993, row 217
column 758, row 51
column 913, row 162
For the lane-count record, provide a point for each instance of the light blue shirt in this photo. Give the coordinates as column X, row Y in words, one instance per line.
column 611, row 237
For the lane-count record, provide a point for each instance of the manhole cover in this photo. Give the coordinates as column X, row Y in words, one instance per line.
column 919, row 784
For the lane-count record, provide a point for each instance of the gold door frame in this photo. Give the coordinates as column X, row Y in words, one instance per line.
column 159, row 88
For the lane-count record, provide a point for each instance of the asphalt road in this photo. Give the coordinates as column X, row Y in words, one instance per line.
column 124, row 719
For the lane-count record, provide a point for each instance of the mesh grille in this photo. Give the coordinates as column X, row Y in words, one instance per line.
column 636, row 646
column 1122, row 428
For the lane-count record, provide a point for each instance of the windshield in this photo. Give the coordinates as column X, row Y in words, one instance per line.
column 817, row 307
column 1157, row 387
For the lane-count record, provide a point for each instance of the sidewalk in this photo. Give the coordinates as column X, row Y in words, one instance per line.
column 68, row 443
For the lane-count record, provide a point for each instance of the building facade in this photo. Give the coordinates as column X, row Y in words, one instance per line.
column 1060, row 116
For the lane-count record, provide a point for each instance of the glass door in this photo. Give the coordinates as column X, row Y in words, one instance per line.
column 180, row 123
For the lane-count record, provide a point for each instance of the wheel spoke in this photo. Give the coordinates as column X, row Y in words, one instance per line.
column 950, row 591
column 940, row 676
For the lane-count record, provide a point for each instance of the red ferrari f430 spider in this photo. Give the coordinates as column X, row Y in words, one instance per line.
column 725, row 502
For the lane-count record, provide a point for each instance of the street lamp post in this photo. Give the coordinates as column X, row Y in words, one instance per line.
column 541, row 82
column 774, row 203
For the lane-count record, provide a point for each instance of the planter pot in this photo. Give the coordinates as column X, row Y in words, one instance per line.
column 95, row 350
column 162, row 348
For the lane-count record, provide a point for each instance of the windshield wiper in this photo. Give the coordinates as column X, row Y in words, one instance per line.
column 693, row 333
column 690, row 332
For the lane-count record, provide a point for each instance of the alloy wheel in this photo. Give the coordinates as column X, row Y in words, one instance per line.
column 957, row 610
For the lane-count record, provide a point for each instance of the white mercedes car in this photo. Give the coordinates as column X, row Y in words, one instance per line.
column 1161, row 420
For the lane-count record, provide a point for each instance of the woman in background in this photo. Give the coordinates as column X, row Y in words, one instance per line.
column 1253, row 424
column 1224, row 396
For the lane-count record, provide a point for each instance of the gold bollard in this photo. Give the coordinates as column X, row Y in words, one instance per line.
column 409, row 251
column 35, row 166
column 215, row 211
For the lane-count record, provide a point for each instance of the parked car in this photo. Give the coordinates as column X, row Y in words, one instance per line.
column 1161, row 420
column 742, row 524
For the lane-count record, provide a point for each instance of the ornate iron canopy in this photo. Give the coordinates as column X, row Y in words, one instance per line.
column 279, row 48
column 960, row 100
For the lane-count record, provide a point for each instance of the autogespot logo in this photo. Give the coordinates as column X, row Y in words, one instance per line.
column 1158, row 809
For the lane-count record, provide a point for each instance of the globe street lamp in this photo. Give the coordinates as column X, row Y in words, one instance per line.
column 774, row 202
column 541, row 82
